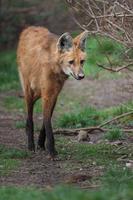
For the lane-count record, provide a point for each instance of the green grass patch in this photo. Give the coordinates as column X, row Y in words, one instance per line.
column 101, row 154
column 113, row 188
column 19, row 193
column 90, row 116
column 16, row 103
column 118, row 110
column 114, row 134
column 12, row 153
column 7, row 165
column 86, row 117
column 20, row 124
column 118, row 175
column 10, row 159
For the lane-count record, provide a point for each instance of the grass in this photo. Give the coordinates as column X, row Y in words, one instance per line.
column 90, row 116
column 10, row 159
column 117, row 184
column 120, row 176
column 81, row 118
column 114, row 134
column 120, row 109
column 101, row 154
column 20, row 124
column 77, row 117
column 14, row 193
column 16, row 103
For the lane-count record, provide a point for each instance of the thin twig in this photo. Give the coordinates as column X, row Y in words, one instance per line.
column 106, row 18
column 115, row 69
column 116, row 118
column 71, row 132
column 75, row 131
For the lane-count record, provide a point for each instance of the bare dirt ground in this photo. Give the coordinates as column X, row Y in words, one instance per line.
column 38, row 170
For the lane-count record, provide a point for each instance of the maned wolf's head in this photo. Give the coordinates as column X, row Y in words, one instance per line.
column 72, row 54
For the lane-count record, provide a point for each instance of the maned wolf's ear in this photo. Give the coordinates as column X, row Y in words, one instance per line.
column 64, row 42
column 80, row 40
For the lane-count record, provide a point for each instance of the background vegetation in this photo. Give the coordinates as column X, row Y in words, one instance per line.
column 17, row 15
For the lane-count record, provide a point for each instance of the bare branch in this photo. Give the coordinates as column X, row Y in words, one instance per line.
column 116, row 118
column 71, row 132
column 115, row 69
column 75, row 131
column 109, row 18
column 91, row 130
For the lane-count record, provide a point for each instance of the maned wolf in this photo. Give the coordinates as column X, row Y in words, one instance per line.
column 45, row 61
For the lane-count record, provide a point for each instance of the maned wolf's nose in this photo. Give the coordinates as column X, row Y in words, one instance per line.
column 80, row 76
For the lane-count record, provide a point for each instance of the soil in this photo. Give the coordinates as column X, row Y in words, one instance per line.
column 37, row 169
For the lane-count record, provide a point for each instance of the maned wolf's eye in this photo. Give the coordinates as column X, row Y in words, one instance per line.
column 71, row 62
column 82, row 62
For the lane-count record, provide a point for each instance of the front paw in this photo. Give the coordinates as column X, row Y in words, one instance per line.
column 53, row 157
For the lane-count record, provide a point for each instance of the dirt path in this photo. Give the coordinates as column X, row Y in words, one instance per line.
column 38, row 170
column 100, row 93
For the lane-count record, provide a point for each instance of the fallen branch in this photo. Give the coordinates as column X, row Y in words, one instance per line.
column 115, row 69
column 90, row 130
column 71, row 132
column 75, row 131
column 116, row 118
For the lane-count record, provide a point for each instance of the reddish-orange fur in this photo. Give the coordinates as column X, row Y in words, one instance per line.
column 41, row 68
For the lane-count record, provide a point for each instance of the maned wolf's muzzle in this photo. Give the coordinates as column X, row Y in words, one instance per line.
column 79, row 76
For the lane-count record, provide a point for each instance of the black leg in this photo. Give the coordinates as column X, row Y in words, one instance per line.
column 42, row 137
column 50, row 144
column 29, row 132
column 48, row 111
column 30, row 125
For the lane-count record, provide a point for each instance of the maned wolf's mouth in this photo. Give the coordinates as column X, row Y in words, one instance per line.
column 77, row 77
